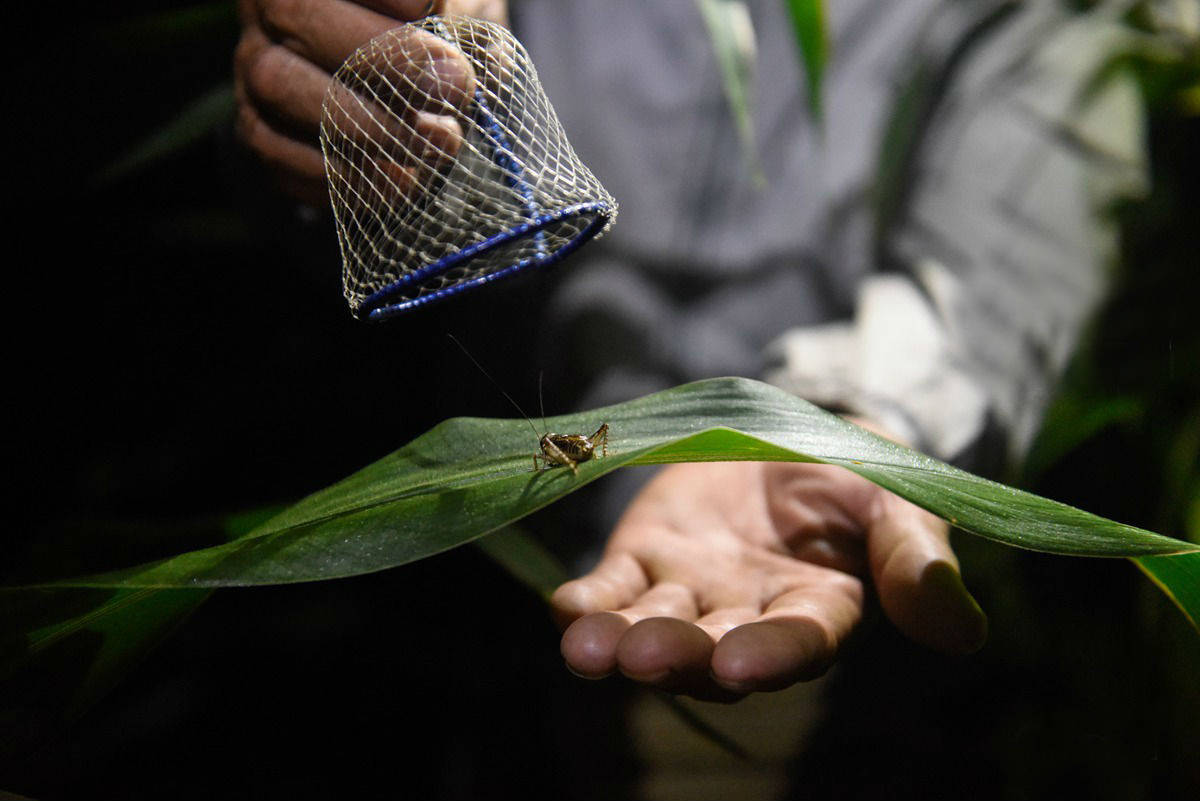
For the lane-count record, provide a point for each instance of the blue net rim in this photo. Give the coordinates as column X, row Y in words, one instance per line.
column 377, row 306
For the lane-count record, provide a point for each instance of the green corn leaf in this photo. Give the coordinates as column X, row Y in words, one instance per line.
column 732, row 35
column 525, row 559
column 201, row 116
column 469, row 476
column 63, row 648
column 808, row 23
column 1179, row 577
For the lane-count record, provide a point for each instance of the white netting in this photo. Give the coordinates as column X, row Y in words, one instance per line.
column 447, row 167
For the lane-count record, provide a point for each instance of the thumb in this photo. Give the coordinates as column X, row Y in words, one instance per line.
column 916, row 576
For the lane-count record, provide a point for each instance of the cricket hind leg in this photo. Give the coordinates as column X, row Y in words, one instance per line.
column 601, row 437
column 558, row 456
column 554, row 455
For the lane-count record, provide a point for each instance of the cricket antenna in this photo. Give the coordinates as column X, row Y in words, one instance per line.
column 541, row 406
column 496, row 384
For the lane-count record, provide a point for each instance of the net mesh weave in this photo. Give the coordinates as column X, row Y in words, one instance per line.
column 447, row 167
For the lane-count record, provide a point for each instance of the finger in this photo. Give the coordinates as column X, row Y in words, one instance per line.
column 393, row 115
column 381, row 165
column 666, row 653
column 716, row 623
column 311, row 193
column 363, row 131
column 663, row 651
column 281, row 83
column 816, row 508
column 916, row 575
column 415, row 69
column 589, row 645
column 613, row 584
column 415, row 74
column 795, row 639
column 325, row 32
column 493, row 10
column 392, row 169
column 296, row 165
column 406, row 10
column 666, row 599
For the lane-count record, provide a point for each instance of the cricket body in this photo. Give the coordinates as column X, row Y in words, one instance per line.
column 567, row 450
column 570, row 449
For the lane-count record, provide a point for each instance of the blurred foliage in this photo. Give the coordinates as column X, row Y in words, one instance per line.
column 1134, row 384
column 733, row 41
column 1088, row 684
column 1123, row 438
column 198, row 119
column 812, row 40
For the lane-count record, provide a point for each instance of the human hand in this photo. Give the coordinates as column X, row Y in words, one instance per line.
column 283, row 65
column 727, row 578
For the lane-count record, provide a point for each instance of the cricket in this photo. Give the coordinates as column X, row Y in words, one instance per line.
column 566, row 450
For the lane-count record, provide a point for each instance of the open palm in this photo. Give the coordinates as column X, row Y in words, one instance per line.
column 728, row 578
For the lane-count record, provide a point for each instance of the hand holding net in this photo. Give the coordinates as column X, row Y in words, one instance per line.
column 447, row 167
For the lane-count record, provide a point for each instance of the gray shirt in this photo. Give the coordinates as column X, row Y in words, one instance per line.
column 948, row 317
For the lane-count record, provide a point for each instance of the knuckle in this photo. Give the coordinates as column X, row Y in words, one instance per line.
column 269, row 73
column 258, row 138
column 280, row 16
column 248, row 126
column 846, row 586
column 247, row 11
column 243, row 54
column 270, row 155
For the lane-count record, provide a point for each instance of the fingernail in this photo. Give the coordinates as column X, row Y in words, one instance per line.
column 444, row 78
column 964, row 626
column 586, row 676
column 744, row 686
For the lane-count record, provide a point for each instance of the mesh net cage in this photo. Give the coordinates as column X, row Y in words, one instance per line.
column 447, row 167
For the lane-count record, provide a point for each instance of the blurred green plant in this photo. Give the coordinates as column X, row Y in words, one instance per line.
column 167, row 37
column 192, row 124
column 812, row 41
column 1133, row 386
column 733, row 42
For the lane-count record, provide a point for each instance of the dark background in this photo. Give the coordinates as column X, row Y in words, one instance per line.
column 182, row 352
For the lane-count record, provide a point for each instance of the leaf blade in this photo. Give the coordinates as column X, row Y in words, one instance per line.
column 1179, row 577
column 190, row 125
column 733, row 42
column 470, row 476
column 808, row 24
